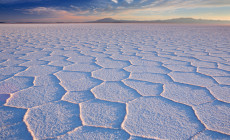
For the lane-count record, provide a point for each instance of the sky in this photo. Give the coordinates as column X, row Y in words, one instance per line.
column 90, row 10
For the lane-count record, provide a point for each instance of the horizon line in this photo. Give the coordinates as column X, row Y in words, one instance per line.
column 171, row 20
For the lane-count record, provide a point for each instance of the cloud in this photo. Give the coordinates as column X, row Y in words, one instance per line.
column 153, row 5
column 129, row 1
column 115, row 1
column 56, row 15
column 44, row 11
column 57, row 8
column 116, row 5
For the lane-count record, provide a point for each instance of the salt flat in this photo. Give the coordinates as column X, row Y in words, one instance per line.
column 114, row 81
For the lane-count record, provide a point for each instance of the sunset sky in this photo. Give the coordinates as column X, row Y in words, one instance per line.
column 89, row 10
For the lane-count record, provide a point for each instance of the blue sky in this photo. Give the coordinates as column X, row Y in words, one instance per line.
column 88, row 10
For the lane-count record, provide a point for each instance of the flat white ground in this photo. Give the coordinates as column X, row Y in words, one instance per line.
column 114, row 81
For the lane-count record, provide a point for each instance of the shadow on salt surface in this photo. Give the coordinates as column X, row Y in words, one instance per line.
column 17, row 131
column 52, row 58
column 15, row 84
column 12, row 70
column 208, row 135
column 4, row 77
column 13, row 62
column 12, row 125
column 224, row 66
column 223, row 80
column 24, row 51
column 6, row 55
column 34, row 63
column 95, row 133
column 1, row 66
column 3, row 98
column 35, row 55
column 10, row 116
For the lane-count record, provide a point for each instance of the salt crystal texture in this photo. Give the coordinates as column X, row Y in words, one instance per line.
column 114, row 81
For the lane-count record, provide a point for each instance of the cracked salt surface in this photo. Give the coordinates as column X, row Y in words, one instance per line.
column 114, row 81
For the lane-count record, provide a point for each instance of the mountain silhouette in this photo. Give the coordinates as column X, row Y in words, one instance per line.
column 176, row 20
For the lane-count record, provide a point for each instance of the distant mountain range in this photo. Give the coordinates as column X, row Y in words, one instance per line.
column 176, row 20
